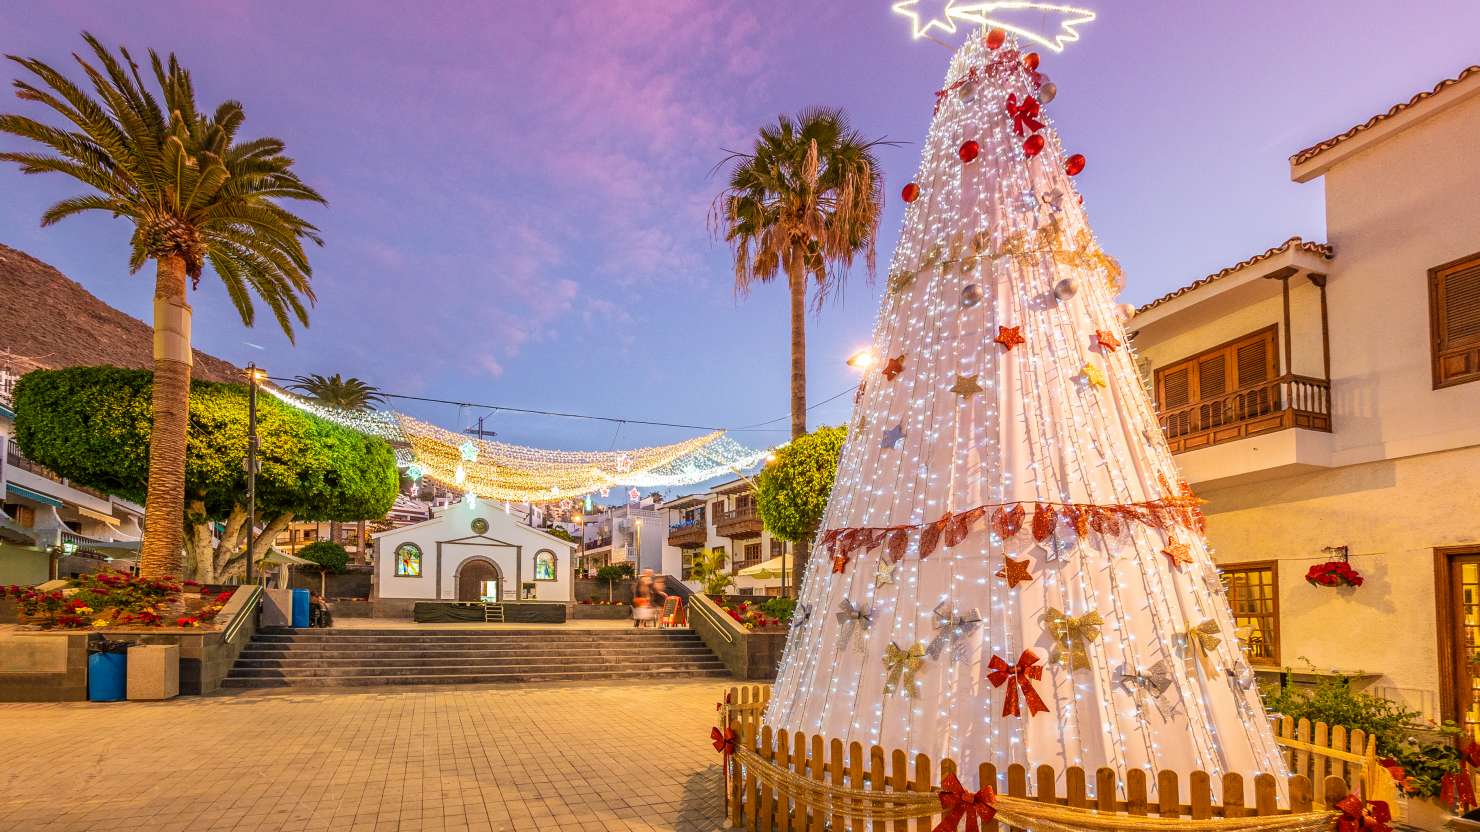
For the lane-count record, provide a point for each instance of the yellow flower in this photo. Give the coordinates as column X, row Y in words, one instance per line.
column 83, row 610
column 101, row 622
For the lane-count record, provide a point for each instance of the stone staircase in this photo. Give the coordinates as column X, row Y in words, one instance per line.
column 283, row 657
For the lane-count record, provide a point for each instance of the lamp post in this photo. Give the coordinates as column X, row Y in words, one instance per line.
column 255, row 376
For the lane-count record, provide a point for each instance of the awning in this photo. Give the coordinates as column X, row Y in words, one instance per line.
column 115, row 548
column 13, row 490
column 769, row 570
column 277, row 557
column 97, row 515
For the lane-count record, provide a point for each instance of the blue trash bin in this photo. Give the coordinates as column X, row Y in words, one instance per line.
column 300, row 608
column 107, row 677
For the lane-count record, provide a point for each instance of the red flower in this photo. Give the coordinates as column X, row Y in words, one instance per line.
column 1333, row 573
column 223, row 597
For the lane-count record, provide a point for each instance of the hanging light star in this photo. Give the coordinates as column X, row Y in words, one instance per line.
column 984, row 13
column 936, row 16
column 469, row 451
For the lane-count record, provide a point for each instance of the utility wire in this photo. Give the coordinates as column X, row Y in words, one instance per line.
column 756, row 428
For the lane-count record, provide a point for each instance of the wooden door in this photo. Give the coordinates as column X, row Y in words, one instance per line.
column 471, row 578
column 1459, row 638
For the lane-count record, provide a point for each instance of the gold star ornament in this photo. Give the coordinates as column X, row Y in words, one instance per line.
column 1015, row 571
column 966, row 386
column 1093, row 374
column 1178, row 553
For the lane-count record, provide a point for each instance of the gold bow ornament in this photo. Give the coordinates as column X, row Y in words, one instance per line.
column 1072, row 637
column 900, row 667
column 1202, row 640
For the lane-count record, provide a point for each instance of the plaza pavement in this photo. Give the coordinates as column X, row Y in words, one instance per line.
column 554, row 757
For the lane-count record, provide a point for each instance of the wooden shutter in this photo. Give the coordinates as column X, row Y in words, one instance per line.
column 1176, row 388
column 1210, row 379
column 1252, row 359
column 1454, row 296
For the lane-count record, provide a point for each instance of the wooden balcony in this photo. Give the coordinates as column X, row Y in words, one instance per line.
column 1289, row 401
column 687, row 534
column 739, row 523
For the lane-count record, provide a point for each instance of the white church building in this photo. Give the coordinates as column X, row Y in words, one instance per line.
column 471, row 555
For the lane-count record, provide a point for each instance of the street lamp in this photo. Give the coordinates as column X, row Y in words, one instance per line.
column 862, row 359
column 255, row 377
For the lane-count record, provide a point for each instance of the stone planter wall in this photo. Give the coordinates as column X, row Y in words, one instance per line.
column 44, row 666
column 748, row 655
column 590, row 588
column 601, row 612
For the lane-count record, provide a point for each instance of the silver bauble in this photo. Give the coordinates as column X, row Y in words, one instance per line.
column 968, row 92
column 1066, row 288
column 971, row 295
column 1126, row 310
column 1047, row 91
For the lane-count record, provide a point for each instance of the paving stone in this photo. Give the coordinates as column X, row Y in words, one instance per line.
column 579, row 757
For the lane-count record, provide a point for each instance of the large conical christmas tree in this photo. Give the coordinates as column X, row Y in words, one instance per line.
column 1009, row 570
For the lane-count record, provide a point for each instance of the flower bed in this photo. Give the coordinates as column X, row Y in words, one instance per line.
column 751, row 616
column 117, row 599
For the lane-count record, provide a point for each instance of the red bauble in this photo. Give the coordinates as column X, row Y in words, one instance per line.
column 1074, row 164
column 1033, row 145
column 911, row 192
column 969, row 151
column 996, row 38
column 1030, row 61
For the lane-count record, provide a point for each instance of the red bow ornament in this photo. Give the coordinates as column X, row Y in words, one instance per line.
column 1018, row 677
column 958, row 803
column 724, row 741
column 1358, row 815
column 1024, row 115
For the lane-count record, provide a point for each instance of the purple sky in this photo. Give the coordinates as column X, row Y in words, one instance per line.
column 519, row 190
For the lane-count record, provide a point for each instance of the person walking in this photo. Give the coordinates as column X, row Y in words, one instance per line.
column 642, row 599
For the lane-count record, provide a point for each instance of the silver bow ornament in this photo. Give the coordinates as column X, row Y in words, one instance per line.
column 851, row 616
column 1155, row 681
column 951, row 626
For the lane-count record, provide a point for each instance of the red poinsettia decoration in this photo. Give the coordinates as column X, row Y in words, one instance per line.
column 1333, row 573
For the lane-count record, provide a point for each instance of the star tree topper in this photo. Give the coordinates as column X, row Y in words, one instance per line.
column 928, row 15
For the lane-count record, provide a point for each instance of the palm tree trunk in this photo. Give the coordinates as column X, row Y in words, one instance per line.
column 160, row 554
column 797, row 280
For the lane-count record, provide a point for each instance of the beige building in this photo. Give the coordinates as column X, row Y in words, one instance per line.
column 1325, row 400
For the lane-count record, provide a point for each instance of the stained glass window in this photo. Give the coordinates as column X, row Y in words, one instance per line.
column 544, row 566
column 408, row 561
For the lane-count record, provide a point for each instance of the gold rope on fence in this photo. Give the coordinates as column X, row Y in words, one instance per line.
column 1013, row 811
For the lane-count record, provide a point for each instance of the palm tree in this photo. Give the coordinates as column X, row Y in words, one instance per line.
column 802, row 205
column 333, row 391
column 195, row 195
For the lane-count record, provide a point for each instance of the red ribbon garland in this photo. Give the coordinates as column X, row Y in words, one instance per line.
column 1019, row 676
column 1358, row 815
column 1024, row 115
column 958, row 803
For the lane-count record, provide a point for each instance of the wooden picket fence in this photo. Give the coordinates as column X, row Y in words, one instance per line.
column 753, row 805
column 1319, row 751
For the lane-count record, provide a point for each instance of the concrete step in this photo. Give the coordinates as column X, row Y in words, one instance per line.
column 513, row 677
column 475, row 639
column 397, row 671
column 250, row 656
column 514, row 632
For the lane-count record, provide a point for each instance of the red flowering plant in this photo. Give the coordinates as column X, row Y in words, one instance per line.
column 750, row 616
column 1333, row 573
column 110, row 599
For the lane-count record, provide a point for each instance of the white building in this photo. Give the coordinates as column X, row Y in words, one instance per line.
column 42, row 512
column 471, row 553
column 1325, row 400
column 725, row 519
column 631, row 533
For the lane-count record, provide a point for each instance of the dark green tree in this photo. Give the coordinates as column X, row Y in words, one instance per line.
column 791, row 492
column 614, row 573
column 195, row 194
column 91, row 425
column 328, row 556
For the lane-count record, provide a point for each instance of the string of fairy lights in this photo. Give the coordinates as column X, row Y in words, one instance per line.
column 480, row 468
column 996, row 242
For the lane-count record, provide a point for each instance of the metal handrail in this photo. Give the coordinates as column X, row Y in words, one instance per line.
column 235, row 626
column 713, row 619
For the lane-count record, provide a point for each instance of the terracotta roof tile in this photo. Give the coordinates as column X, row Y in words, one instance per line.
column 1321, row 147
column 1321, row 249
